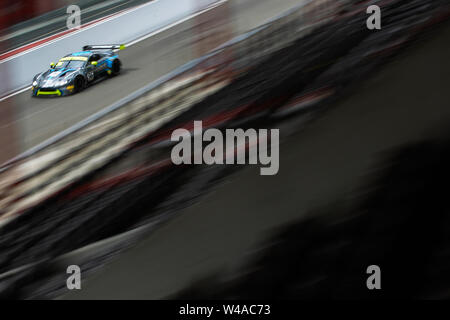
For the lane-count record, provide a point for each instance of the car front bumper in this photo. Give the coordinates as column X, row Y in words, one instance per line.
column 52, row 92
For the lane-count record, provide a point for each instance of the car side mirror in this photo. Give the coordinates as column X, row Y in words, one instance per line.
column 94, row 63
column 52, row 65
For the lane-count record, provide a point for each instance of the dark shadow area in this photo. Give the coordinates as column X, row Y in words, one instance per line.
column 401, row 225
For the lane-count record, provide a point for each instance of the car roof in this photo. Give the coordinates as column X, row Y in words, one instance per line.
column 84, row 54
column 80, row 54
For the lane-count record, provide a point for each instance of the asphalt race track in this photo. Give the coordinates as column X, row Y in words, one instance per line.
column 36, row 120
column 406, row 101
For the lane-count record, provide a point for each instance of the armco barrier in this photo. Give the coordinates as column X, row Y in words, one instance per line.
column 122, row 28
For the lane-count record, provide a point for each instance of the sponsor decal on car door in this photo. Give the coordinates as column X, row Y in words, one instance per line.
column 101, row 66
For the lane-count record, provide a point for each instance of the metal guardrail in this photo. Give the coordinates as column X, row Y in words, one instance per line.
column 43, row 170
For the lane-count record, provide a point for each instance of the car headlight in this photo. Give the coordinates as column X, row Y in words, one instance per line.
column 35, row 83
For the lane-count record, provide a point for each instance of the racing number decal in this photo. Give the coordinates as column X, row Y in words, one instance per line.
column 90, row 75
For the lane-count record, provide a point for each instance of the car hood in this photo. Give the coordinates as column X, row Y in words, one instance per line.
column 53, row 76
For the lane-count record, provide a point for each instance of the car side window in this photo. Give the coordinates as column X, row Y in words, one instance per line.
column 95, row 57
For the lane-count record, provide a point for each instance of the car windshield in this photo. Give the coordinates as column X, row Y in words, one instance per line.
column 73, row 64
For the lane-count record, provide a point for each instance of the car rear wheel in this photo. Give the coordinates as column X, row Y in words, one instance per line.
column 116, row 67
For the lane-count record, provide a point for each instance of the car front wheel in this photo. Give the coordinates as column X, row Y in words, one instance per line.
column 79, row 84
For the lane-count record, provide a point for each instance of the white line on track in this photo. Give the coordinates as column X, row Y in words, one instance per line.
column 211, row 7
column 15, row 93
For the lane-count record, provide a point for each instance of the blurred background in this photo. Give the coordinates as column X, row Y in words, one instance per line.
column 363, row 117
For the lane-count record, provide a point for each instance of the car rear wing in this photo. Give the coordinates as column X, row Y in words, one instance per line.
column 104, row 47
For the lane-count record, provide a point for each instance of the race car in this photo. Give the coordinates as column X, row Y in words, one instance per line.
column 74, row 72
